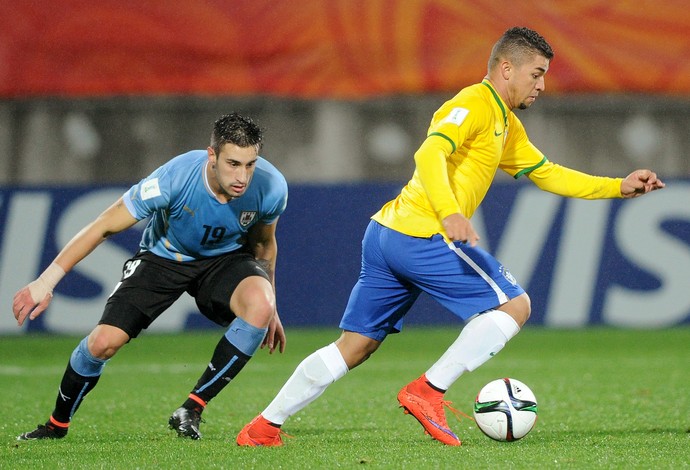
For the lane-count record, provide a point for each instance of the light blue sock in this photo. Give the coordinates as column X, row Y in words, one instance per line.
column 83, row 362
column 245, row 337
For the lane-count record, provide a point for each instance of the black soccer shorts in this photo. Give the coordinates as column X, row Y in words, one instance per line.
column 150, row 284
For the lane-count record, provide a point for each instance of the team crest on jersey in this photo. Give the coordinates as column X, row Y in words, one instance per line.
column 509, row 277
column 247, row 217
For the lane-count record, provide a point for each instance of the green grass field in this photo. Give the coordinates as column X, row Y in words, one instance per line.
column 607, row 399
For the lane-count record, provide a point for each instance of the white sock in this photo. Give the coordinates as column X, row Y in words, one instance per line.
column 307, row 383
column 481, row 339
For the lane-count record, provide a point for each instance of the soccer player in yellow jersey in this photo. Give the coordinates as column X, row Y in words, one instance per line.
column 424, row 241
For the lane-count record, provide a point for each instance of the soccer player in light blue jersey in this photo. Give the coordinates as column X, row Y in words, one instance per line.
column 211, row 233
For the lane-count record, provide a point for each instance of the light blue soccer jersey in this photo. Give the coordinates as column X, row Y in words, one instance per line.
column 188, row 222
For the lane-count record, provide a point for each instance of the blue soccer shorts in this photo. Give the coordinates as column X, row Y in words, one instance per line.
column 396, row 268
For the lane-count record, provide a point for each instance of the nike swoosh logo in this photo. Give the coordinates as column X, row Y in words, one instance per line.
column 497, row 133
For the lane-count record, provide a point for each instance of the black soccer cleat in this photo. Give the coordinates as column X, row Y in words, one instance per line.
column 44, row 431
column 186, row 423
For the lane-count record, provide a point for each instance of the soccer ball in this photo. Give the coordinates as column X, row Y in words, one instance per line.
column 505, row 409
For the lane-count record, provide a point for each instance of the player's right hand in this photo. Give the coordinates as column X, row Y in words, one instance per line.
column 459, row 228
column 275, row 336
column 31, row 300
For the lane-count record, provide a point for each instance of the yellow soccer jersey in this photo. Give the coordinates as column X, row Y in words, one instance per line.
column 470, row 137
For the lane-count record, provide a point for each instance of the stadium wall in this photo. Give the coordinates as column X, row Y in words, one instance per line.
column 613, row 262
column 340, row 49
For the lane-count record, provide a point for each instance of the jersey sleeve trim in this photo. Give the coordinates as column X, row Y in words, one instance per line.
column 532, row 168
column 445, row 137
column 126, row 198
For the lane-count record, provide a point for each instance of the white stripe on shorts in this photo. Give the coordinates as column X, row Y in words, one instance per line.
column 502, row 297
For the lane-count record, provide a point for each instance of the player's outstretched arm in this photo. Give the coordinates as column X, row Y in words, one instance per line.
column 640, row 182
column 34, row 298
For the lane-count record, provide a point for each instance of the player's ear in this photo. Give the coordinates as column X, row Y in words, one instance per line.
column 211, row 155
column 506, row 69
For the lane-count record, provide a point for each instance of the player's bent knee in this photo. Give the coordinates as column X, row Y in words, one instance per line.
column 525, row 309
column 519, row 308
column 105, row 340
column 254, row 301
column 356, row 348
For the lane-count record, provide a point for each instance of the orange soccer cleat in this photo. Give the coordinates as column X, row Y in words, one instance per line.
column 260, row 432
column 426, row 405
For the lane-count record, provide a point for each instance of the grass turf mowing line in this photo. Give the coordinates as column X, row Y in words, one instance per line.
column 607, row 399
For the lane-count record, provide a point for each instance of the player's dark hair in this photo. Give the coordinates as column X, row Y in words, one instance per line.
column 518, row 43
column 238, row 130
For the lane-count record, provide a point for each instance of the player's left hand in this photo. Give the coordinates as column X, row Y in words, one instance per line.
column 275, row 336
column 640, row 182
